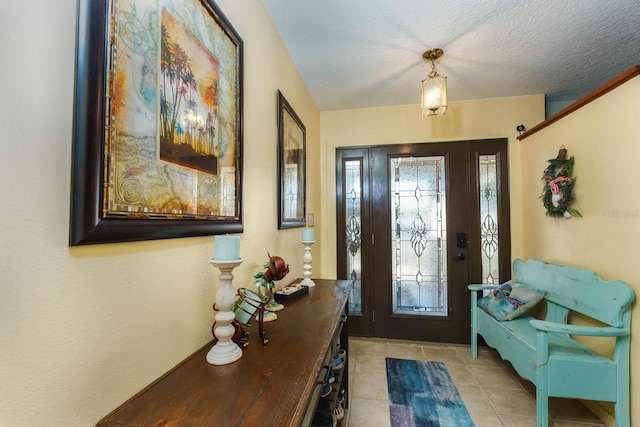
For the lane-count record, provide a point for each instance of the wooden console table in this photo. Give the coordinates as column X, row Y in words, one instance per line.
column 276, row 385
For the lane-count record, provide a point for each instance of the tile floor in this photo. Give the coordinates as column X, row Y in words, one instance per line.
column 494, row 394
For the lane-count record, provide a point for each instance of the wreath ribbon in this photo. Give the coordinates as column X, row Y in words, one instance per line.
column 553, row 184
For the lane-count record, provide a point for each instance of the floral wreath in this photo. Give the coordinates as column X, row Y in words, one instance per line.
column 557, row 191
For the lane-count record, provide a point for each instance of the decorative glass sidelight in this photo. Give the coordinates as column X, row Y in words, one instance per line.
column 418, row 212
column 488, row 196
column 353, row 220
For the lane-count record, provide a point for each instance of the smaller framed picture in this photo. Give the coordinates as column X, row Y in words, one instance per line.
column 291, row 166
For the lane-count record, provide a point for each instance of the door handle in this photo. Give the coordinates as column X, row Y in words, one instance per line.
column 460, row 256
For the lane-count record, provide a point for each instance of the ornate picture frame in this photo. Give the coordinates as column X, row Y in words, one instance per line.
column 291, row 167
column 157, row 133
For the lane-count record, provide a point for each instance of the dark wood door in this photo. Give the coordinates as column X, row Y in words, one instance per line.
column 416, row 224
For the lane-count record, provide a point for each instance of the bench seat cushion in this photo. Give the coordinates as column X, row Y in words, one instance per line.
column 510, row 300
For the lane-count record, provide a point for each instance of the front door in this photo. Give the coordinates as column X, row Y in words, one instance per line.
column 417, row 224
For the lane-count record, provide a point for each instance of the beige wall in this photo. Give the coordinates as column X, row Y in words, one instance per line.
column 84, row 328
column 482, row 119
column 603, row 136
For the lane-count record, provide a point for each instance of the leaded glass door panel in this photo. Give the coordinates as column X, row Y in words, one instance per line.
column 354, row 235
column 418, row 236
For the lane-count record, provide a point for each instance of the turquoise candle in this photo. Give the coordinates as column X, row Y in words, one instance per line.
column 226, row 248
column 307, row 235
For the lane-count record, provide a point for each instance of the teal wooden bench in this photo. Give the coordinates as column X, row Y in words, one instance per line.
column 544, row 352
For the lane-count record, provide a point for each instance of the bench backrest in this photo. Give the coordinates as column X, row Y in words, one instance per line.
column 579, row 290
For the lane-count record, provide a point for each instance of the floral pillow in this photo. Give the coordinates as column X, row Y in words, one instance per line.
column 510, row 300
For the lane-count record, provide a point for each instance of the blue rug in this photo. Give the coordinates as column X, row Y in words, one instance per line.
column 422, row 394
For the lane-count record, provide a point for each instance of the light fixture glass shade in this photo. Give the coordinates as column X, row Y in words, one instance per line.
column 434, row 95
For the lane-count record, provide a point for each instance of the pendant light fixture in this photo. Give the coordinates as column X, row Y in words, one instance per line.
column 434, row 87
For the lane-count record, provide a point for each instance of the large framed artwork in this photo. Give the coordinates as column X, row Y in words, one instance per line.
column 291, row 166
column 157, row 136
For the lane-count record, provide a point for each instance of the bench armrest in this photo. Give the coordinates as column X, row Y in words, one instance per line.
column 480, row 287
column 563, row 328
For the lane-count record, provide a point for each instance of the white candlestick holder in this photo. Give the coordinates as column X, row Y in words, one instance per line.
column 307, row 263
column 224, row 351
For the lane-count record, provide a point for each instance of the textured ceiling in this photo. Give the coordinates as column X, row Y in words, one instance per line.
column 368, row 53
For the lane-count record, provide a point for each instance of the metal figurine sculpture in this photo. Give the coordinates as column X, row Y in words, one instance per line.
column 245, row 307
column 276, row 269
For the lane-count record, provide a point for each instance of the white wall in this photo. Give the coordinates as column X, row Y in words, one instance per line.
column 84, row 328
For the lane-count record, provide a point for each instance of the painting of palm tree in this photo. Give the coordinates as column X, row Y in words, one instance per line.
column 188, row 99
